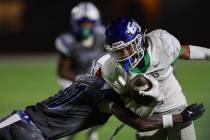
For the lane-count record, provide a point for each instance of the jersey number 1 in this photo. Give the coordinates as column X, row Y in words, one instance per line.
column 65, row 96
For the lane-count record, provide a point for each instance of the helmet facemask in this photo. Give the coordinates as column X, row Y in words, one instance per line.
column 85, row 29
column 84, row 17
column 129, row 54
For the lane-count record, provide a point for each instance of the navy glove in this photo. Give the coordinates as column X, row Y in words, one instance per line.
column 193, row 112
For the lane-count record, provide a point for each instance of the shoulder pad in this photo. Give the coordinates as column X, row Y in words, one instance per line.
column 166, row 45
column 98, row 63
column 156, row 33
column 63, row 43
column 99, row 29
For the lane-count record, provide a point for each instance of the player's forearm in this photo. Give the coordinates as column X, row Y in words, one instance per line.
column 156, row 122
column 190, row 113
column 64, row 68
column 143, row 124
column 65, row 72
column 194, row 52
column 67, row 75
column 127, row 116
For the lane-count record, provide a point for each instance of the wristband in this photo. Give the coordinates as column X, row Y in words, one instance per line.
column 167, row 121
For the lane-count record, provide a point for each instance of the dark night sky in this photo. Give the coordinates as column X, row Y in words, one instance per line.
column 188, row 20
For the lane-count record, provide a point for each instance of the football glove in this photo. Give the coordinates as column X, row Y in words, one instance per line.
column 193, row 112
column 154, row 92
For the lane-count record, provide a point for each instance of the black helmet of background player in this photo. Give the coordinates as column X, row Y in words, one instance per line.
column 84, row 18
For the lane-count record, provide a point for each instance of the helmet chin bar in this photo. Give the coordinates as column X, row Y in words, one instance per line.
column 84, row 13
column 129, row 54
column 137, row 58
column 132, row 61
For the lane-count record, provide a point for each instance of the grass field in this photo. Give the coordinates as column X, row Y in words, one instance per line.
column 24, row 80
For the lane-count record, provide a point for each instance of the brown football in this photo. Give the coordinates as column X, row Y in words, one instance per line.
column 140, row 83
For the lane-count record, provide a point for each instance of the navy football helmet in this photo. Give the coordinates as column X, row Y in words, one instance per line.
column 124, row 42
column 84, row 17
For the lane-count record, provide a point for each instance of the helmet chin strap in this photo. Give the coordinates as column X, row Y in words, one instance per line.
column 143, row 65
column 127, row 64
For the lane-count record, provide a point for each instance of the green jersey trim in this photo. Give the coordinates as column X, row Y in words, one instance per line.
column 145, row 67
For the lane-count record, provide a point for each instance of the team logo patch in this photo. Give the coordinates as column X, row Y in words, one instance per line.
column 132, row 27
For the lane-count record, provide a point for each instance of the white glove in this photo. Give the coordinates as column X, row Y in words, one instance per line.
column 154, row 92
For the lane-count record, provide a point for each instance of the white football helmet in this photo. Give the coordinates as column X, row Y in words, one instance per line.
column 84, row 13
column 85, row 9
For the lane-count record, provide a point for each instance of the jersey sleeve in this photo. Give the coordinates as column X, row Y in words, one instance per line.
column 99, row 29
column 115, row 76
column 103, row 67
column 63, row 44
column 97, row 64
column 96, row 68
column 171, row 46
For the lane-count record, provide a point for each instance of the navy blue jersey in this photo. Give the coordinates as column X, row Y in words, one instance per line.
column 72, row 109
column 81, row 56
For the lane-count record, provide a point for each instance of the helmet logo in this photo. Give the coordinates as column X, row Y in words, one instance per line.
column 132, row 27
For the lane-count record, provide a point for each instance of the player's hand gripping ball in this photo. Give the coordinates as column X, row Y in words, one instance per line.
column 144, row 89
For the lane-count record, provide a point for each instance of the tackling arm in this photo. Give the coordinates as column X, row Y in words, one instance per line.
column 157, row 120
column 194, row 52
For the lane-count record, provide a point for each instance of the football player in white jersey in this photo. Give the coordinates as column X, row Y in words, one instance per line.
column 130, row 53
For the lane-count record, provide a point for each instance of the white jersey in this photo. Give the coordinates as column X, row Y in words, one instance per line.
column 163, row 50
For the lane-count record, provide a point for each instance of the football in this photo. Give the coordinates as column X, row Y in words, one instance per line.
column 140, row 83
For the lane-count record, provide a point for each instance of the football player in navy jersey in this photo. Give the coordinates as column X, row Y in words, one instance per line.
column 84, row 104
column 78, row 47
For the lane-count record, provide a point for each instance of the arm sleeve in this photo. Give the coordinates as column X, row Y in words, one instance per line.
column 197, row 52
column 63, row 45
column 97, row 64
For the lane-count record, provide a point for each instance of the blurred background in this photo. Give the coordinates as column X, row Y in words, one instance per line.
column 28, row 29
column 32, row 25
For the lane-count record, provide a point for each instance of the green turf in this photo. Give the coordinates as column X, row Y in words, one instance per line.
column 25, row 80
